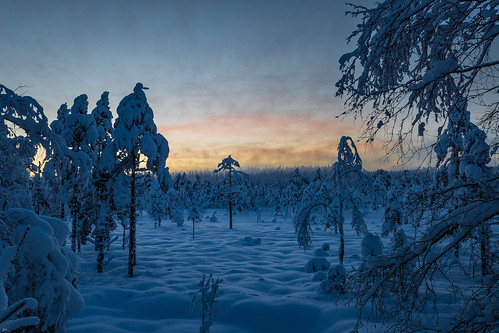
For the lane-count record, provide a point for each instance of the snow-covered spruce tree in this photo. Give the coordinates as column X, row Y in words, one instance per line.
column 157, row 203
column 229, row 164
column 37, row 280
column 382, row 181
column 295, row 189
column 16, row 155
column 36, row 265
column 80, row 135
column 417, row 64
column 135, row 137
column 349, row 183
column 57, row 170
column 40, row 194
column 199, row 195
column 53, row 180
column 195, row 216
column 103, row 206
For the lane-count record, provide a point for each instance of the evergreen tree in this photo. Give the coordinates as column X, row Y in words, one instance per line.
column 135, row 136
column 229, row 164
column 101, row 179
column 80, row 135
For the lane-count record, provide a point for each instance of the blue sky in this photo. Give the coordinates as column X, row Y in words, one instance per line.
column 254, row 79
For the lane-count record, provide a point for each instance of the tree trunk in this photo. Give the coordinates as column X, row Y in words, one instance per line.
column 79, row 242
column 230, row 214
column 485, row 248
column 342, row 236
column 131, row 243
column 73, row 235
column 230, row 201
column 74, row 231
column 100, row 248
column 62, row 202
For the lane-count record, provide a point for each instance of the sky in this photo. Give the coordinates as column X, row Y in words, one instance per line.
column 253, row 78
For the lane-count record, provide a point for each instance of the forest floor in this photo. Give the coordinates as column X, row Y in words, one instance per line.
column 264, row 288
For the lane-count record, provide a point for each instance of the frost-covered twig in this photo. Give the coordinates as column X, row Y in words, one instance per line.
column 208, row 290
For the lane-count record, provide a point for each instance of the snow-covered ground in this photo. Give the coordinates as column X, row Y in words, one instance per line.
column 264, row 288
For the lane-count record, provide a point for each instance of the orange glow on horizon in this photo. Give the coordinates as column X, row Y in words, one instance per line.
column 262, row 140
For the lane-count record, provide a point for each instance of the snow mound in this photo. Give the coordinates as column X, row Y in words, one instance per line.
column 317, row 264
column 249, row 241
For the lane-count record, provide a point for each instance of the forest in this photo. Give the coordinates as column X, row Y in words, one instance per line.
column 87, row 199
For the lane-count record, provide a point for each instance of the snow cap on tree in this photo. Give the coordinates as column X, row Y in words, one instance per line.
column 59, row 124
column 102, row 114
column 348, row 157
column 227, row 163
column 80, row 105
column 135, row 119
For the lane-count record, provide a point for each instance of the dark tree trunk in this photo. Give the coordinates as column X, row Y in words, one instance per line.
column 485, row 249
column 74, row 231
column 230, row 201
column 100, row 255
column 131, row 243
column 63, row 213
column 79, row 242
column 342, row 236
column 73, row 235
column 230, row 214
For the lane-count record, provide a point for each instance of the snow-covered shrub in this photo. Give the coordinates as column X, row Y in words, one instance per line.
column 208, row 290
column 250, row 241
column 335, row 281
column 317, row 264
column 12, row 318
column 40, row 268
column 322, row 251
column 400, row 240
column 178, row 217
column 213, row 217
column 371, row 246
column 319, row 276
column 157, row 203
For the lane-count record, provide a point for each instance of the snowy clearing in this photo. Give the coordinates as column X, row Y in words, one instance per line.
column 264, row 288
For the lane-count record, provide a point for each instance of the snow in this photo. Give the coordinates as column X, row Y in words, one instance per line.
column 264, row 288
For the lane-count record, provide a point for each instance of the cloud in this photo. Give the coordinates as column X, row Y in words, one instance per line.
column 256, row 140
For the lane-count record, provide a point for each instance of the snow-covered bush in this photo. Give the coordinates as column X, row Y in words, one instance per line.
column 39, row 267
column 371, row 246
column 317, row 264
column 208, row 290
column 213, row 217
column 335, row 282
column 250, row 241
column 157, row 203
column 178, row 217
